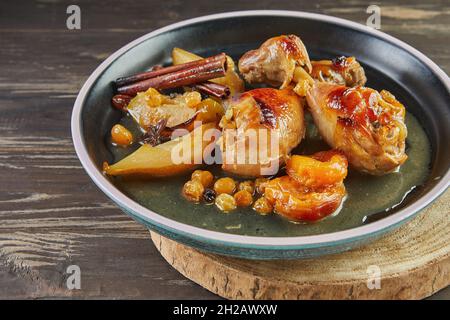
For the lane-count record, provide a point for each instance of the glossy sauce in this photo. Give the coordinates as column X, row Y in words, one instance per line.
column 289, row 46
column 367, row 196
column 356, row 106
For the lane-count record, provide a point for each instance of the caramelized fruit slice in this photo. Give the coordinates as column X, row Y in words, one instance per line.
column 159, row 161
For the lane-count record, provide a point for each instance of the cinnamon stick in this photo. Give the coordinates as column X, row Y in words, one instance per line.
column 213, row 89
column 120, row 82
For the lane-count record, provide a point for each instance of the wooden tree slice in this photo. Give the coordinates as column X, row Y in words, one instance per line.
column 414, row 262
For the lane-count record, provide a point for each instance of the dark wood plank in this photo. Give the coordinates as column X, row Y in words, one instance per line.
column 51, row 214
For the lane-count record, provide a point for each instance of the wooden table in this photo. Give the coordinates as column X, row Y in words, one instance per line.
column 51, row 214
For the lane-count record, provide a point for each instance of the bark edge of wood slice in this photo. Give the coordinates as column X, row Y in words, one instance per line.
column 414, row 261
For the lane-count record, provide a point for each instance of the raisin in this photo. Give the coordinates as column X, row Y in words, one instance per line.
column 209, row 195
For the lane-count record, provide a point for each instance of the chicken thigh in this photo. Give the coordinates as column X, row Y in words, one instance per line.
column 260, row 128
column 368, row 126
column 275, row 61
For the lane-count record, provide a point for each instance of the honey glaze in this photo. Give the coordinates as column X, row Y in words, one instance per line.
column 290, row 46
column 356, row 106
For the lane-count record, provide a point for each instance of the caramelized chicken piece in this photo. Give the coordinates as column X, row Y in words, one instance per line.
column 275, row 61
column 267, row 124
column 368, row 126
column 313, row 188
column 321, row 169
column 341, row 70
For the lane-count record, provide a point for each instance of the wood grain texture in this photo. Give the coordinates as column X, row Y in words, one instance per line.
column 51, row 214
column 414, row 262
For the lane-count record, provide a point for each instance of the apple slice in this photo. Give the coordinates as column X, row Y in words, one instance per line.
column 168, row 159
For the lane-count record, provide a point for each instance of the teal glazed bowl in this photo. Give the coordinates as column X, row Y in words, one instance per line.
column 421, row 84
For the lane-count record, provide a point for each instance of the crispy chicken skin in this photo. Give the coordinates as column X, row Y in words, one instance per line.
column 341, row 70
column 274, row 62
column 368, row 126
column 279, row 112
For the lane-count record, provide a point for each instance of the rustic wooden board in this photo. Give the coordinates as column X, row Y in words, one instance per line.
column 413, row 263
column 51, row 214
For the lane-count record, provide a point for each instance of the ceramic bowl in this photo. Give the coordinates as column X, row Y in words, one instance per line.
column 389, row 63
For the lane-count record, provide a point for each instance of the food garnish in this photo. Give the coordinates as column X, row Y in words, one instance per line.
column 193, row 190
column 247, row 185
column 243, row 198
column 225, row 185
column 153, row 136
column 174, row 76
column 225, row 202
column 231, row 81
column 121, row 136
column 263, row 206
column 206, row 178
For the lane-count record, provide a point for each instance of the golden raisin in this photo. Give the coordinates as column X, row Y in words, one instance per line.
column 205, row 177
column 263, row 206
column 193, row 190
column 247, row 185
column 192, row 98
column 151, row 98
column 225, row 185
column 209, row 110
column 243, row 198
column 105, row 166
column 121, row 135
column 225, row 202
column 260, row 185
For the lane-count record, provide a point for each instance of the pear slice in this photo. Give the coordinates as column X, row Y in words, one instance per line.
column 149, row 107
column 168, row 159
